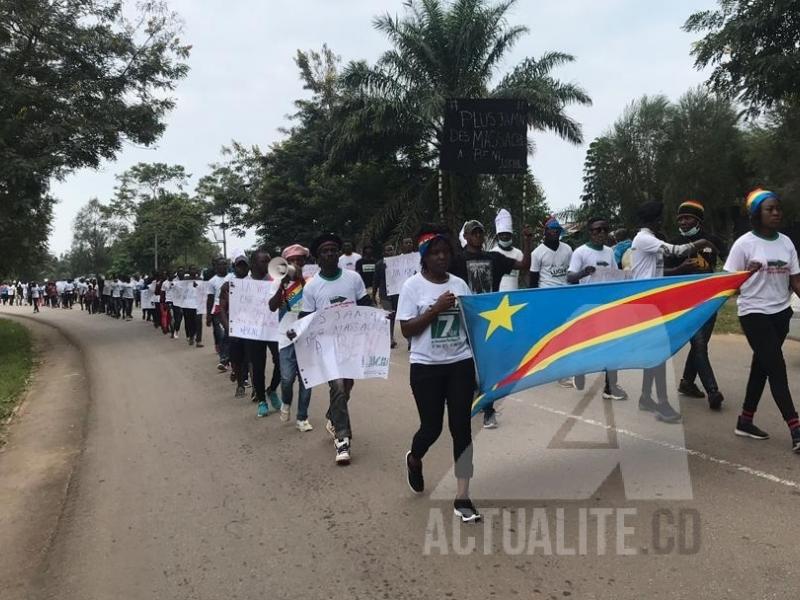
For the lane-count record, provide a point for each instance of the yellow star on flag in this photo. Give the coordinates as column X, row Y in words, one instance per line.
column 501, row 316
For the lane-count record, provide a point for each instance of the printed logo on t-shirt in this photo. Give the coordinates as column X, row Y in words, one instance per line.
column 556, row 271
column 336, row 300
column 479, row 275
column 602, row 263
column 446, row 328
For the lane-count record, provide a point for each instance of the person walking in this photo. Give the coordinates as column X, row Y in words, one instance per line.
column 764, row 308
column 442, row 372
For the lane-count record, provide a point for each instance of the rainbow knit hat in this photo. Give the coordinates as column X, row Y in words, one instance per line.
column 755, row 198
column 692, row 208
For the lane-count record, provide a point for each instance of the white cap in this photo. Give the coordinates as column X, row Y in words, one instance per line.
column 502, row 222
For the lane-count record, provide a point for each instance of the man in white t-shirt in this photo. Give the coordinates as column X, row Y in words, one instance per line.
column 647, row 252
column 348, row 259
column 591, row 259
column 334, row 287
column 505, row 246
column 221, row 343
column 550, row 259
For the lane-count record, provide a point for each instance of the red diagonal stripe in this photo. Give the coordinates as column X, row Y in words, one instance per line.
column 658, row 302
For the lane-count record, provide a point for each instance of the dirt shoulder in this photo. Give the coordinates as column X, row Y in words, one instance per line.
column 43, row 445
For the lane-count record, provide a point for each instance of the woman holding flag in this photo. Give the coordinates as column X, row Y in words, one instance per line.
column 442, row 369
column 764, row 308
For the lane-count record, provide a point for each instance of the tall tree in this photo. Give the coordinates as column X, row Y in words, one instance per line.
column 92, row 237
column 754, row 48
column 77, row 79
column 447, row 50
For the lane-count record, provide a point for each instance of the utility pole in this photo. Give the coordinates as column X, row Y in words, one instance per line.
column 156, row 252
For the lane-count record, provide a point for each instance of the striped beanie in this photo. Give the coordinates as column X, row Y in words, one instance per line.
column 692, row 208
column 755, row 198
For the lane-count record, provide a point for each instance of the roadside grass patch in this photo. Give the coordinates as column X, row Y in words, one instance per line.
column 16, row 363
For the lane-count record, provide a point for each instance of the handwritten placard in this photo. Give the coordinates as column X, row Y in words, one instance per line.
column 342, row 343
column 201, row 296
column 147, row 299
column 398, row 269
column 249, row 314
column 485, row 136
column 189, row 294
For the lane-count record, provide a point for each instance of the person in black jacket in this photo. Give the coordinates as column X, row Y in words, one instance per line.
column 690, row 227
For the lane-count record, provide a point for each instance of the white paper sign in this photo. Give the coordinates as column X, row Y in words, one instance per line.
column 147, row 299
column 249, row 314
column 201, row 296
column 189, row 293
column 342, row 343
column 178, row 292
column 398, row 269
column 309, row 271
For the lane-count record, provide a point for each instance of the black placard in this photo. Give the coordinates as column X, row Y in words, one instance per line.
column 485, row 136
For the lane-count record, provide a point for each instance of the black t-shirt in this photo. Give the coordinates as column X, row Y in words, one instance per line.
column 366, row 268
column 711, row 257
column 481, row 270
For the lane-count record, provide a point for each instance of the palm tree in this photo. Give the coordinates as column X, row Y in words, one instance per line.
column 446, row 50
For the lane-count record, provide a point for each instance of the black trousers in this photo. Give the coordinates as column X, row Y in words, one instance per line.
column 190, row 319
column 256, row 355
column 177, row 315
column 238, row 359
column 434, row 386
column 127, row 304
column 766, row 334
column 697, row 361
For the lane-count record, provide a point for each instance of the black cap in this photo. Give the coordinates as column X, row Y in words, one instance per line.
column 325, row 237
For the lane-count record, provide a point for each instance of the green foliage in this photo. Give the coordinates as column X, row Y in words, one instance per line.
column 16, row 363
column 671, row 152
column 76, row 80
column 754, row 47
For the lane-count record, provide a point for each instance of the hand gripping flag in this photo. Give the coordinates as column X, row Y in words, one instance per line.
column 525, row 338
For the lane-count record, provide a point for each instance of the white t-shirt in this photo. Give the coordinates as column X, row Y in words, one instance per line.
column 647, row 254
column 767, row 291
column 445, row 340
column 345, row 289
column 511, row 281
column 115, row 289
column 126, row 290
column 349, row 262
column 167, row 288
column 552, row 265
column 215, row 285
column 586, row 256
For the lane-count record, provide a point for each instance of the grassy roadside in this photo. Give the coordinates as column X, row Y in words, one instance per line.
column 16, row 363
column 727, row 321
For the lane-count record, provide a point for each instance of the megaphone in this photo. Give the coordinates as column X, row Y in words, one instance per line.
column 279, row 267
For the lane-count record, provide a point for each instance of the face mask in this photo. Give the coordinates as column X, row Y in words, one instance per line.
column 505, row 245
column 690, row 232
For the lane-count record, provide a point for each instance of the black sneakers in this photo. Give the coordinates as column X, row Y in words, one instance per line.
column 666, row 414
column 747, row 429
column 796, row 440
column 466, row 511
column 689, row 388
column 646, row 404
column 414, row 475
column 715, row 400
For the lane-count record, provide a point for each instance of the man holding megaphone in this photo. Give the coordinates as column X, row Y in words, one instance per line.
column 287, row 272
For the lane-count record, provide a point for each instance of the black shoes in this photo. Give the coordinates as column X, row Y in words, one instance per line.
column 414, row 475
column 689, row 388
column 715, row 400
column 747, row 429
column 466, row 511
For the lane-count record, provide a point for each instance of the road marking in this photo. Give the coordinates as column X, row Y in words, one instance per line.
column 669, row 446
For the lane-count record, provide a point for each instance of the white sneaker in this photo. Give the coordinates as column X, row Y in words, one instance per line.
column 285, row 408
column 304, row 426
column 342, row 451
column 330, row 429
column 567, row 382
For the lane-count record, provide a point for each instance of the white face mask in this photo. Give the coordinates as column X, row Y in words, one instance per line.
column 505, row 245
column 690, row 232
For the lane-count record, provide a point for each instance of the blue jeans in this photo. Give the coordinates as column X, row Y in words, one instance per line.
column 290, row 372
column 221, row 340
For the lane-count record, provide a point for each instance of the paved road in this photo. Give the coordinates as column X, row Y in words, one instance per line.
column 180, row 493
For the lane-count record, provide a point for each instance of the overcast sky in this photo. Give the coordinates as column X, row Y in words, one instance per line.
column 243, row 79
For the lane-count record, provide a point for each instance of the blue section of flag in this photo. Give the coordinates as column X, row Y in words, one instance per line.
column 581, row 329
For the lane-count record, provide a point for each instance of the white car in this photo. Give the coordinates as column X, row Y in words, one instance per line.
column 794, row 326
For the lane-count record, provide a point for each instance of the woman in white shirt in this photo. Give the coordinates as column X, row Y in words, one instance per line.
column 764, row 308
column 442, row 369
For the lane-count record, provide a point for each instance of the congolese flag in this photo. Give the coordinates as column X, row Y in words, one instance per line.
column 525, row 338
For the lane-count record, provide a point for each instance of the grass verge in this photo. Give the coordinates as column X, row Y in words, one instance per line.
column 16, row 363
column 727, row 321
